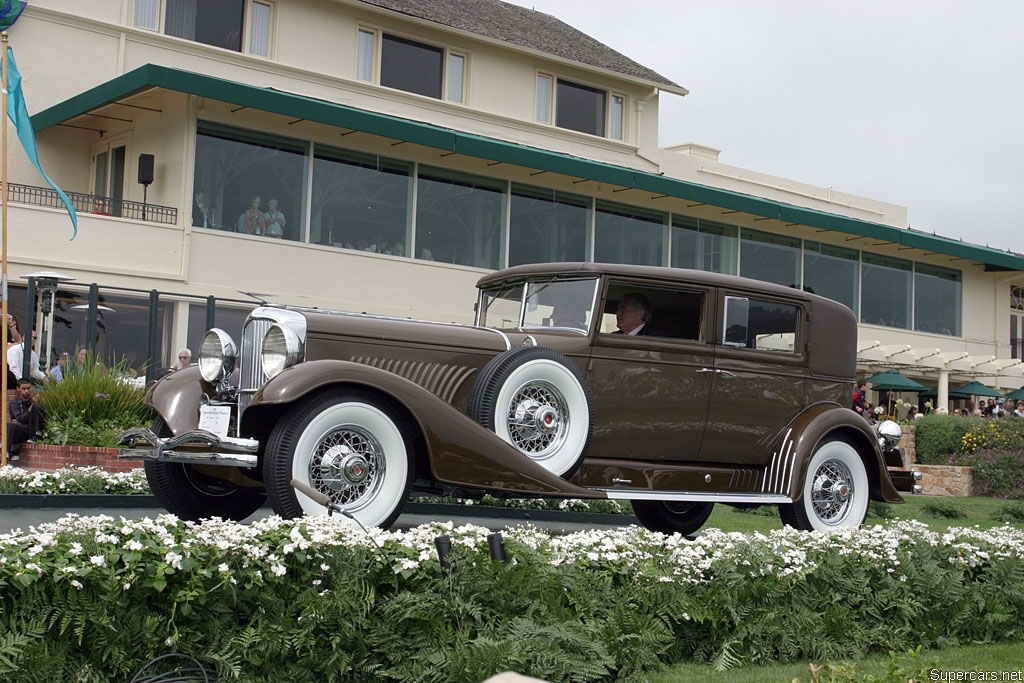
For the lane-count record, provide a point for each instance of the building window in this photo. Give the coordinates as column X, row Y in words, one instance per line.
column 460, row 219
column 1016, row 337
column 704, row 245
column 832, row 272
column 624, row 234
column 580, row 107
column 937, row 294
column 456, row 77
column 770, row 258
column 885, row 287
column 545, row 86
column 360, row 202
column 147, row 14
column 1017, row 297
column 234, row 168
column 366, row 50
column 617, row 116
column 547, row 226
column 411, row 66
column 220, row 23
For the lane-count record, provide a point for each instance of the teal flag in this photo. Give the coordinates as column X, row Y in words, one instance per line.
column 17, row 112
column 10, row 10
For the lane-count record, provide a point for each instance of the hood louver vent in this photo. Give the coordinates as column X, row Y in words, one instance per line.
column 441, row 380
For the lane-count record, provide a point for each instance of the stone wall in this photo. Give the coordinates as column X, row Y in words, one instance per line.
column 43, row 456
column 936, row 480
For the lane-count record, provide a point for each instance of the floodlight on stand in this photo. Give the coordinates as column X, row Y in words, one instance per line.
column 46, row 282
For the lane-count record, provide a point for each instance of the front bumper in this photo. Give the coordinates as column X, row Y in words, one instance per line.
column 198, row 447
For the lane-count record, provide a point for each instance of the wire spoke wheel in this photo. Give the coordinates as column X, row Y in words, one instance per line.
column 536, row 399
column 835, row 490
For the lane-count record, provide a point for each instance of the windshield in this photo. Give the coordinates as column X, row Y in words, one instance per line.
column 565, row 304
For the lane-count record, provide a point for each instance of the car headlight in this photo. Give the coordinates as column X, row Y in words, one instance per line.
column 281, row 349
column 889, row 434
column 217, row 355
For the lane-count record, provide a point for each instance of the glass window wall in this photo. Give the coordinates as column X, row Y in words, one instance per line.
column 704, row 245
column 770, row 258
column 460, row 219
column 885, row 288
column 832, row 272
column 234, row 168
column 937, row 297
column 547, row 226
column 360, row 202
column 624, row 234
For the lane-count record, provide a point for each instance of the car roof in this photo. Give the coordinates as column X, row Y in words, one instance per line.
column 663, row 275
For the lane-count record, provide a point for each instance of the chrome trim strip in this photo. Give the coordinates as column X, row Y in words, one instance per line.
column 767, row 499
column 779, row 474
column 217, row 450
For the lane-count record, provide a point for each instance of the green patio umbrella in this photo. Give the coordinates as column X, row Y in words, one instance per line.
column 977, row 389
column 1016, row 395
column 891, row 380
column 934, row 393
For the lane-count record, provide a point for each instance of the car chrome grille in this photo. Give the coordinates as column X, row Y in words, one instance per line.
column 441, row 380
column 250, row 365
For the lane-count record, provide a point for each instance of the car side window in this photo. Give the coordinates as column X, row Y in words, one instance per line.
column 671, row 313
column 761, row 324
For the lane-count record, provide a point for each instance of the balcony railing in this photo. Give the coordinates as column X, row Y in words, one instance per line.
column 90, row 203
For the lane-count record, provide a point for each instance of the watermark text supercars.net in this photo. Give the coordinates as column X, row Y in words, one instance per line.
column 978, row 675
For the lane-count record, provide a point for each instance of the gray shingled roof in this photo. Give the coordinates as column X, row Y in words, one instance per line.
column 523, row 27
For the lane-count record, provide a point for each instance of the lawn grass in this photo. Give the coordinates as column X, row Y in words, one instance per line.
column 977, row 511
column 1005, row 659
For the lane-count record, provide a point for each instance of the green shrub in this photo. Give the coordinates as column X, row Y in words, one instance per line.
column 93, row 405
column 1004, row 434
column 1011, row 513
column 997, row 473
column 944, row 508
column 939, row 436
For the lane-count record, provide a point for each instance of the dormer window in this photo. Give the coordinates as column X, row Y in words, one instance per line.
column 239, row 25
column 411, row 66
column 579, row 107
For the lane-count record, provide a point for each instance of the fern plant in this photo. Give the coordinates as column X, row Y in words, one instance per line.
column 93, row 405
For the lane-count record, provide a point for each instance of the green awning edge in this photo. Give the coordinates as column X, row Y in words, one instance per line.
column 490, row 149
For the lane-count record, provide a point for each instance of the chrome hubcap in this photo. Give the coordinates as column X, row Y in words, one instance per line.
column 537, row 419
column 832, row 491
column 347, row 465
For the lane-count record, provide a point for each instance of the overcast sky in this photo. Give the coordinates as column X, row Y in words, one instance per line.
column 915, row 102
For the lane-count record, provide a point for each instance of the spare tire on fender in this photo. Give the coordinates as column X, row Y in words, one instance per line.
column 537, row 400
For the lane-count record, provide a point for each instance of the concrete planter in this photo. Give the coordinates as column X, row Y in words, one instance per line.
column 45, row 456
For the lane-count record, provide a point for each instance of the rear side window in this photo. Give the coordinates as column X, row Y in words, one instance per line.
column 761, row 324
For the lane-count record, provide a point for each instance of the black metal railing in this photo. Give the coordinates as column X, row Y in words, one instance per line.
column 90, row 203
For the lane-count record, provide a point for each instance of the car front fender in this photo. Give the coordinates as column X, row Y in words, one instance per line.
column 787, row 469
column 460, row 450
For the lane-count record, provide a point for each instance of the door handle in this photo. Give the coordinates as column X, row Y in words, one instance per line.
column 725, row 373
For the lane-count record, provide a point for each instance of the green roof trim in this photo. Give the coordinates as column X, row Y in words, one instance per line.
column 491, row 149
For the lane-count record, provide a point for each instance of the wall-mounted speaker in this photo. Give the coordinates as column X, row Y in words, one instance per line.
column 145, row 169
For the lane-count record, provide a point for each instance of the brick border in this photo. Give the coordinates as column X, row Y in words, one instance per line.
column 45, row 456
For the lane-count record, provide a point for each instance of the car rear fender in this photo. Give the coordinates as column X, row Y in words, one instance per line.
column 787, row 468
column 460, row 451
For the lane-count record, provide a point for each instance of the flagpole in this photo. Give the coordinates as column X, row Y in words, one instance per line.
column 3, row 258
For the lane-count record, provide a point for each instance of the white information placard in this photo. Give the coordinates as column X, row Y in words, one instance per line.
column 215, row 419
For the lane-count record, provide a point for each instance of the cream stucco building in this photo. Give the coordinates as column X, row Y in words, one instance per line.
column 413, row 145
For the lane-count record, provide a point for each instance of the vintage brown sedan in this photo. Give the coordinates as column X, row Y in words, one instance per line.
column 732, row 391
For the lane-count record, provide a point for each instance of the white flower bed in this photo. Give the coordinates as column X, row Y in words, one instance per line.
column 72, row 480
